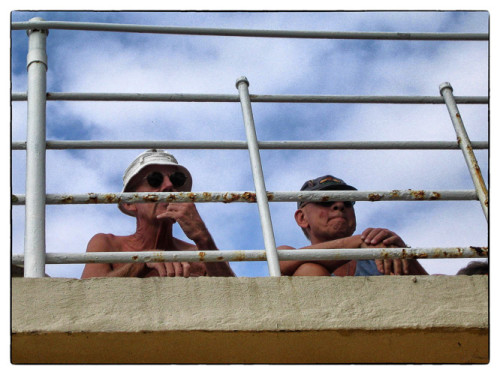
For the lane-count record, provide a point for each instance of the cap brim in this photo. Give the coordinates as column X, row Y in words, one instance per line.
column 331, row 187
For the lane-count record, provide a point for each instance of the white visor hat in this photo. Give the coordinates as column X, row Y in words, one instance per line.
column 152, row 157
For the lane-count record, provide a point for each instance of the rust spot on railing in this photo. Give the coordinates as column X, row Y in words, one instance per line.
column 385, row 255
column 439, row 253
column 150, row 198
column 395, row 193
column 240, row 257
column 457, row 115
column 435, row 195
column 418, row 194
column 228, row 198
column 207, row 196
column 192, row 196
column 110, row 198
column 249, row 197
column 67, row 199
column 374, row 197
column 201, row 255
column 481, row 251
column 270, row 196
column 93, row 198
column 170, row 198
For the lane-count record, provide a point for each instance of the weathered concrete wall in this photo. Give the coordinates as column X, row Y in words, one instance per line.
column 423, row 319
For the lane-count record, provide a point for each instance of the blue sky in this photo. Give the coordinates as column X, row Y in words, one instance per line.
column 148, row 63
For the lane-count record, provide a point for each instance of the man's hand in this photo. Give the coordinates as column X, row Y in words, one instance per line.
column 171, row 269
column 194, row 228
column 376, row 236
column 380, row 237
column 187, row 216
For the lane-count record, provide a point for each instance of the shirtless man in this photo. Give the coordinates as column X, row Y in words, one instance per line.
column 157, row 171
column 330, row 225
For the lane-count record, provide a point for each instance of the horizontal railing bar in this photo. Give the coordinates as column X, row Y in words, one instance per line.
column 249, row 196
column 92, row 26
column 260, row 255
column 264, row 145
column 228, row 98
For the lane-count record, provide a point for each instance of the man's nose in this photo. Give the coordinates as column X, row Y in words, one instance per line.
column 166, row 185
column 338, row 206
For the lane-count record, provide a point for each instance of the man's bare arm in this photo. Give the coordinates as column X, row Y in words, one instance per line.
column 289, row 267
column 100, row 243
column 187, row 216
column 206, row 242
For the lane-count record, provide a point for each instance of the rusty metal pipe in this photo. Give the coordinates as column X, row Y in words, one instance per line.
column 251, row 197
column 261, row 255
column 258, row 178
column 465, row 144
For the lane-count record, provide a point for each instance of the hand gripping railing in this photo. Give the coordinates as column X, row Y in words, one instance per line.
column 35, row 258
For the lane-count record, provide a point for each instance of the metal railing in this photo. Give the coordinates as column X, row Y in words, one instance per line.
column 35, row 199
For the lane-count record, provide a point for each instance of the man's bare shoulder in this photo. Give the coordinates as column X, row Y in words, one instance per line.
column 285, row 247
column 183, row 245
column 105, row 242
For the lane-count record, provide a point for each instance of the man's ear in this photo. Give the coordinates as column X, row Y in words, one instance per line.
column 301, row 219
column 130, row 206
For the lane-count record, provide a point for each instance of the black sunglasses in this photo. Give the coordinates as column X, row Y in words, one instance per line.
column 155, row 179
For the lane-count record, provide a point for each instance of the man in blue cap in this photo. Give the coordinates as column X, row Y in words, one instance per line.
column 331, row 225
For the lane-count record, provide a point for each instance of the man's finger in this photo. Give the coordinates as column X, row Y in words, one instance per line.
column 178, row 269
column 159, row 267
column 387, row 266
column 397, row 266
column 186, row 269
column 406, row 266
column 170, row 269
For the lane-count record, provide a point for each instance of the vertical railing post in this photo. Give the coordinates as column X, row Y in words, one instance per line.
column 258, row 177
column 34, row 238
column 464, row 142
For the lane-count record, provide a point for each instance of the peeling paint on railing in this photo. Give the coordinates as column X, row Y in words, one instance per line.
column 250, row 197
column 260, row 255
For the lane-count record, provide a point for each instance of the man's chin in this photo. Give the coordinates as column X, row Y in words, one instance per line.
column 341, row 231
column 160, row 208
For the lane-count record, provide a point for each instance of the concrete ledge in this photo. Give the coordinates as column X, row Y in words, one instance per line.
column 423, row 319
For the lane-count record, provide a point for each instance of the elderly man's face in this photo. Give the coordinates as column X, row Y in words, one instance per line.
column 156, row 178
column 327, row 223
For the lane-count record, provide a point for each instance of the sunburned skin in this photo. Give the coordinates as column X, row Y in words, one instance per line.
column 333, row 227
column 154, row 231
